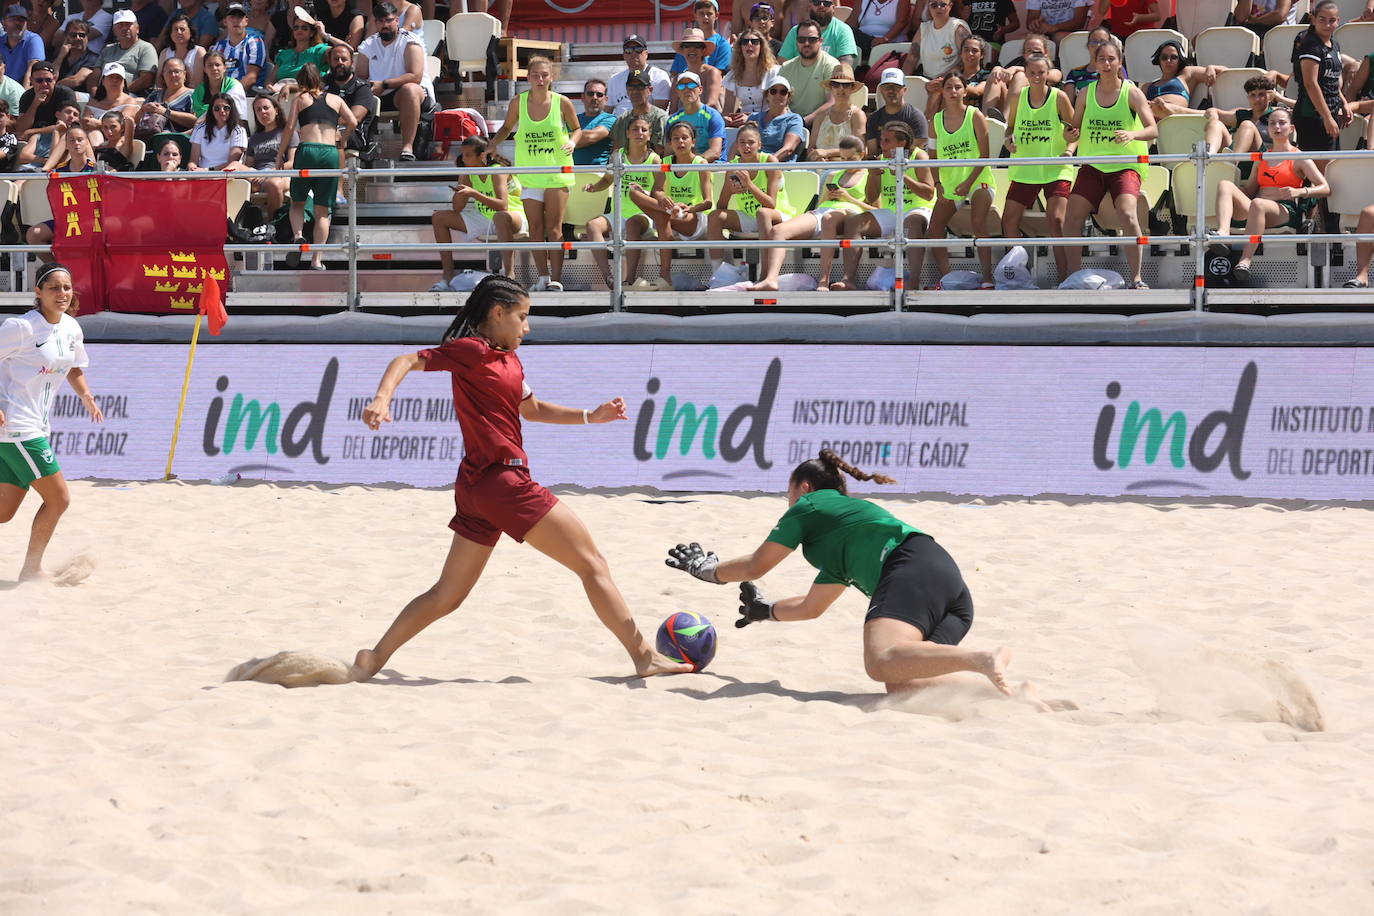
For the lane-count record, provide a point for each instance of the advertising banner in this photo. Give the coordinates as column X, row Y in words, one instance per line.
column 1157, row 421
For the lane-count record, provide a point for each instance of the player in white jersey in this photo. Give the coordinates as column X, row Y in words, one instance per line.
column 38, row 349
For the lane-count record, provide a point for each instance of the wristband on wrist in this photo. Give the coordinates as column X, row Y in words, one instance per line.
column 585, row 417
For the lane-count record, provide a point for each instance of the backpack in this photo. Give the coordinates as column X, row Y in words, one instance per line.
column 454, row 126
column 875, row 72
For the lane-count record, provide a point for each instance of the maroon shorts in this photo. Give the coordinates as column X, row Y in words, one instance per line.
column 1025, row 194
column 1093, row 185
column 496, row 499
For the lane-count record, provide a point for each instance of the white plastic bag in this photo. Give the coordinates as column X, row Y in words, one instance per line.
column 1089, row 278
column 1011, row 272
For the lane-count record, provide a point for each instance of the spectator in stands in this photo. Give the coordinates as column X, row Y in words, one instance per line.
column 685, row 198
column 1040, row 124
column 546, row 132
column 840, row 119
column 264, row 152
column 1278, row 193
column 637, row 83
column 182, row 45
column 10, row 90
column 1364, row 251
column 9, row 143
column 837, row 38
column 1259, row 16
column 38, row 106
column 111, row 95
column 498, row 8
column 1245, row 130
column 20, row 47
column 484, row 208
column 345, row 21
column 75, row 61
column 749, row 201
column 636, row 53
column 219, row 139
column 1126, row 17
column 935, row 49
column 807, row 72
column 152, row 18
column 764, row 19
column 38, row 143
column 706, row 15
column 99, row 23
column 880, row 22
column 260, row 23
column 409, row 15
column 990, row 20
column 841, row 197
column 880, row 200
column 395, row 63
column 1320, row 112
column 753, row 64
column 693, row 47
column 1178, row 82
column 1013, row 72
column 638, row 206
column 594, row 146
column 44, row 23
column 1081, row 76
column 356, row 93
column 980, row 90
column 961, row 132
column 308, row 45
column 217, row 81
column 168, row 108
column 1057, row 18
column 706, row 121
column 244, row 54
column 115, row 144
column 315, row 118
column 781, row 130
column 168, row 156
column 1113, row 119
column 136, row 56
column 892, row 90
column 204, row 27
column 71, row 152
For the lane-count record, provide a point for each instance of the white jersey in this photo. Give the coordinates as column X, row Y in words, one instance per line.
column 34, row 360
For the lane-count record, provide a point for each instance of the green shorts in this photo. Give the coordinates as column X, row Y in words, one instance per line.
column 316, row 156
column 21, row 463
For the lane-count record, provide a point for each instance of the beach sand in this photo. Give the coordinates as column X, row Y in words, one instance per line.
column 504, row 763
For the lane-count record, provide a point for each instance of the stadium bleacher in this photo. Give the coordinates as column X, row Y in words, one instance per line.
column 392, row 202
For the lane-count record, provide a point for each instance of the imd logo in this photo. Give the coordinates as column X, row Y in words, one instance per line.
column 703, row 431
column 1148, row 435
column 250, row 424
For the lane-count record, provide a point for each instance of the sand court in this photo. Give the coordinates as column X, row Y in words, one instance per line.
column 503, row 762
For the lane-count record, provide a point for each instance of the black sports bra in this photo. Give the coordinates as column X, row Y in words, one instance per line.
column 319, row 112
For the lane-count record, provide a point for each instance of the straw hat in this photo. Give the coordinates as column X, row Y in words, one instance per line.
column 842, row 72
column 691, row 35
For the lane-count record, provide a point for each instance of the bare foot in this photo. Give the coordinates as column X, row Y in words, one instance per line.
column 1028, row 694
column 822, row 287
column 33, row 575
column 994, row 667
column 658, row 663
column 841, row 286
column 367, row 663
column 765, row 286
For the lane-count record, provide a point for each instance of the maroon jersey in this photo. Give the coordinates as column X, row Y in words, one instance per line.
column 488, row 386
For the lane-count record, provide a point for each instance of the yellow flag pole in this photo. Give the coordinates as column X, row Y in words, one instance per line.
column 185, row 387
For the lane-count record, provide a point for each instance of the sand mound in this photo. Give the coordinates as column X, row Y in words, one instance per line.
column 295, row 669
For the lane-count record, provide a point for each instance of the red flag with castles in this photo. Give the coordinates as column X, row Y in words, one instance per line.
column 212, row 306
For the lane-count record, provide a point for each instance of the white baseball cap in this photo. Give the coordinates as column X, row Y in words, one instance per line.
column 893, row 76
column 776, row 79
column 115, row 66
column 124, row 16
column 687, row 76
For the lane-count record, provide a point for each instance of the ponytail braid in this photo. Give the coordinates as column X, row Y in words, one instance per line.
column 494, row 290
column 824, row 473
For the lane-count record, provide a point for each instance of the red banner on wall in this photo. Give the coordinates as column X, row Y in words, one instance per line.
column 139, row 246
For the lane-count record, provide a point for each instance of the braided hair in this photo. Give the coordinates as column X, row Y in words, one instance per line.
column 824, row 473
column 494, row 290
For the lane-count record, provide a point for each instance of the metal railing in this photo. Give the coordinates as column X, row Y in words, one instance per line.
column 898, row 243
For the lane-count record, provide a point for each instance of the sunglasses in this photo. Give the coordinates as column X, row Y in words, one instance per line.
column 593, row 93
column 688, row 85
column 808, row 39
column 939, row 6
column 823, row 3
column 634, row 49
column 695, row 45
column 841, row 84
column 1168, row 57
column 779, row 90
column 751, row 41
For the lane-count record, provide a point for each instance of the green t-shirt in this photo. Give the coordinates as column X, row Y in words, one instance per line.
column 846, row 538
column 289, row 61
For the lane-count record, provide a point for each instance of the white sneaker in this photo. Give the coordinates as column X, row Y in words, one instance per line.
column 539, row 285
column 554, row 286
column 642, row 285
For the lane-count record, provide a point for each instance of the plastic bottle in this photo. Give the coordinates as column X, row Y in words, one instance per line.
column 226, row 480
